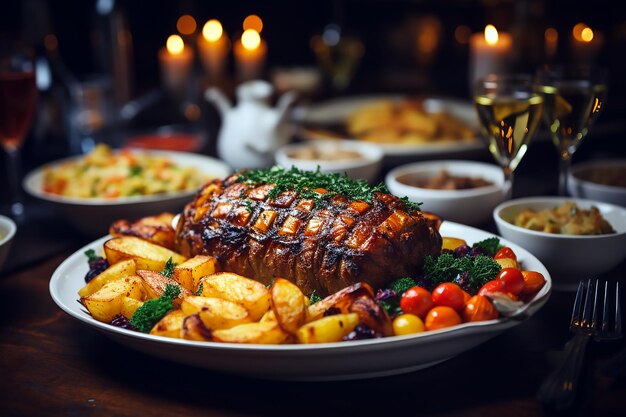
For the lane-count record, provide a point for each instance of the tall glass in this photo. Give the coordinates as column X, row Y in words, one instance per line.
column 18, row 98
column 509, row 109
column 574, row 97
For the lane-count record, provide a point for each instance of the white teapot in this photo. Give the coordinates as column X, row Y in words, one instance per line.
column 251, row 131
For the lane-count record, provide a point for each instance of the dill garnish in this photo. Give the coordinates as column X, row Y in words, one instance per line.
column 306, row 182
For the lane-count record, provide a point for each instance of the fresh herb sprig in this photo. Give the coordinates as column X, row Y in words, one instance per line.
column 445, row 268
column 168, row 269
column 155, row 309
column 306, row 182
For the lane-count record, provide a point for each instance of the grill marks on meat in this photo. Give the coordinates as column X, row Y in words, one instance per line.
column 323, row 246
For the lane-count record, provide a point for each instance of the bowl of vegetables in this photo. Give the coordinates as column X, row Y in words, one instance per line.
column 574, row 238
column 91, row 191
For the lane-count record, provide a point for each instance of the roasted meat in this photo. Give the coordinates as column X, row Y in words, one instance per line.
column 319, row 244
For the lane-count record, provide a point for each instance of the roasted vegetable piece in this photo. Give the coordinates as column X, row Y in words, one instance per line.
column 341, row 300
column 188, row 273
column 147, row 255
column 194, row 329
column 106, row 303
column 114, row 272
column 263, row 333
column 154, row 284
column 170, row 325
column 155, row 229
column 288, row 305
column 155, row 309
column 215, row 313
column 250, row 294
column 328, row 329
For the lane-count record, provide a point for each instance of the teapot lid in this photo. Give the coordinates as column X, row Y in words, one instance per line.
column 254, row 90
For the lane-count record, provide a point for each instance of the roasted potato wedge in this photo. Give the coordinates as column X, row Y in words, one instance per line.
column 156, row 229
column 106, row 303
column 194, row 329
column 341, row 300
column 215, row 313
column 114, row 272
column 154, row 284
column 188, row 273
column 170, row 325
column 288, row 305
column 147, row 255
column 250, row 294
column 263, row 333
column 372, row 314
column 328, row 329
column 129, row 306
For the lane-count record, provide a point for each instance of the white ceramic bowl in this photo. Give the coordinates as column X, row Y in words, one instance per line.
column 582, row 188
column 367, row 167
column 569, row 258
column 7, row 232
column 471, row 206
column 93, row 216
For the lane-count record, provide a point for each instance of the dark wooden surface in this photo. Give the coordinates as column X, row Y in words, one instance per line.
column 52, row 365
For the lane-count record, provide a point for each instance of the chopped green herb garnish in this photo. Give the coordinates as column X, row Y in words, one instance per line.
column 490, row 245
column 199, row 290
column 270, row 284
column 400, row 285
column 314, row 298
column 445, row 268
column 248, row 205
column 135, row 170
column 91, row 254
column 151, row 311
column 306, row 182
column 168, row 269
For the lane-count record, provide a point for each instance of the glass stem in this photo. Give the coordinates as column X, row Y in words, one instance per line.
column 14, row 170
column 508, row 183
column 564, row 165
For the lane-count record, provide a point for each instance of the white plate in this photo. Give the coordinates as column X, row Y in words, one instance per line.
column 330, row 361
column 93, row 216
column 336, row 111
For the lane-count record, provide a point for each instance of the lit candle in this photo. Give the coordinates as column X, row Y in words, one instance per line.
column 585, row 43
column 213, row 46
column 551, row 37
column 490, row 53
column 176, row 61
column 250, row 52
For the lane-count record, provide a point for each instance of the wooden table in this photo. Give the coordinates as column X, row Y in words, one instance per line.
column 52, row 365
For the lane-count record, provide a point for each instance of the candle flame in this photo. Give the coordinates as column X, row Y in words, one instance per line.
column 186, row 24
column 491, row 34
column 586, row 35
column 577, row 31
column 175, row 45
column 253, row 22
column 212, row 30
column 250, row 39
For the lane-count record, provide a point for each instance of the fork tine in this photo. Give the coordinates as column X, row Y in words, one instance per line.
column 588, row 306
column 575, row 320
column 607, row 309
column 596, row 306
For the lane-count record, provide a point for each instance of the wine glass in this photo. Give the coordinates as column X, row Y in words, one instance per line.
column 18, row 98
column 574, row 96
column 509, row 109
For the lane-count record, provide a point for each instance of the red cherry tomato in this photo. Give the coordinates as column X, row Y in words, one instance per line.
column 505, row 252
column 449, row 294
column 513, row 280
column 440, row 317
column 417, row 301
column 479, row 308
column 491, row 287
column 533, row 282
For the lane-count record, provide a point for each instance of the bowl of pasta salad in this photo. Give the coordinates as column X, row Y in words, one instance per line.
column 92, row 190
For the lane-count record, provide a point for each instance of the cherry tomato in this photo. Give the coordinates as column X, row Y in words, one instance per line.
column 513, row 280
column 505, row 252
column 533, row 282
column 479, row 308
column 440, row 317
column 449, row 294
column 417, row 301
column 407, row 324
column 491, row 287
column 466, row 297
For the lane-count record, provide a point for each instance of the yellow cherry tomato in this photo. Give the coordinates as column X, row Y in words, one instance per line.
column 407, row 324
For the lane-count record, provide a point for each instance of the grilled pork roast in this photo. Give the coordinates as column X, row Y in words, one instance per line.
column 323, row 243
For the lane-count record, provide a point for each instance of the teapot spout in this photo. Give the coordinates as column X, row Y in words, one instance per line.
column 285, row 101
column 215, row 96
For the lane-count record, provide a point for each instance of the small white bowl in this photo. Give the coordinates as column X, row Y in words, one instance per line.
column 569, row 258
column 582, row 188
column 366, row 167
column 93, row 216
column 470, row 206
column 7, row 232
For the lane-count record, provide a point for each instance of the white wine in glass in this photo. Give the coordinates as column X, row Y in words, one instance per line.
column 510, row 111
column 574, row 98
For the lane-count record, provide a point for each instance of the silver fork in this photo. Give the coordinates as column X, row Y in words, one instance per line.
column 558, row 390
